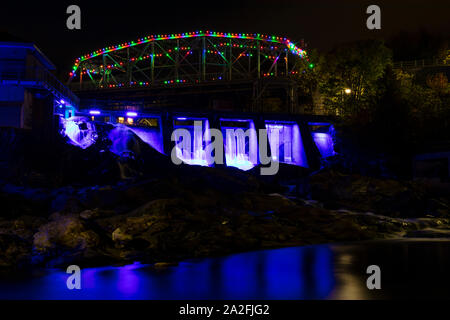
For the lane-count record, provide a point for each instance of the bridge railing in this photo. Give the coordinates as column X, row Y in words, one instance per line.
column 189, row 79
column 38, row 77
column 183, row 79
column 421, row 63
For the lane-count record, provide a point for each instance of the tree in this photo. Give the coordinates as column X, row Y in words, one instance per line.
column 312, row 76
column 354, row 72
column 438, row 82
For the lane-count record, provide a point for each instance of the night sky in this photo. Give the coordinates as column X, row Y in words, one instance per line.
column 322, row 23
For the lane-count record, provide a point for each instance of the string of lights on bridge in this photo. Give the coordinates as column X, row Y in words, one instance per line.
column 146, row 57
column 175, row 81
column 290, row 45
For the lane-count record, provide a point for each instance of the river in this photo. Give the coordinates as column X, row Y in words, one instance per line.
column 410, row 268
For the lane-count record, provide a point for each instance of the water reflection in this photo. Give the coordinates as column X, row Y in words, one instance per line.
column 409, row 269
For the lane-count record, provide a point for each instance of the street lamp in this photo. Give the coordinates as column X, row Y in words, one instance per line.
column 347, row 90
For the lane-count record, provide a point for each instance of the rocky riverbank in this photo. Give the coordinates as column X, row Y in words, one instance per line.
column 143, row 208
column 198, row 212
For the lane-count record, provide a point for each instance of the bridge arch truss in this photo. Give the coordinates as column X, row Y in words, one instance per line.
column 188, row 58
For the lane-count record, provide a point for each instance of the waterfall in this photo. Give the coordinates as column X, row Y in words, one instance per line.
column 241, row 148
column 123, row 141
column 152, row 137
column 286, row 143
column 200, row 137
column 79, row 130
column 324, row 143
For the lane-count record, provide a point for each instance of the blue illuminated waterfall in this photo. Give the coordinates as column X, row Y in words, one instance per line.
column 152, row 137
column 79, row 131
column 192, row 136
column 123, row 141
column 323, row 138
column 241, row 143
column 192, row 151
column 286, row 143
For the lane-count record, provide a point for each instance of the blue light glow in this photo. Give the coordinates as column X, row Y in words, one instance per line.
column 131, row 114
column 241, row 151
column 193, row 152
column 123, row 140
column 288, row 273
column 80, row 131
column 324, row 143
column 153, row 138
column 323, row 277
column 284, row 275
column 286, row 143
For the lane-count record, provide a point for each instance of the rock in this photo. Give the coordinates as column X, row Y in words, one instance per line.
column 164, row 265
column 290, row 179
column 89, row 214
column 429, row 233
column 119, row 235
column 14, row 251
column 364, row 193
column 67, row 235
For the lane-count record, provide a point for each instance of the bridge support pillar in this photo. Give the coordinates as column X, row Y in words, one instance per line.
column 292, row 98
column 257, row 99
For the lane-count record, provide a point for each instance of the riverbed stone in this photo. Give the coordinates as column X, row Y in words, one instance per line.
column 64, row 234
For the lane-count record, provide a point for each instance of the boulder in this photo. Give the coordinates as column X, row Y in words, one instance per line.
column 15, row 252
column 65, row 235
column 369, row 194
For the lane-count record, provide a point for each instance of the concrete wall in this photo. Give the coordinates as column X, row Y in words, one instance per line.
column 12, row 59
column 11, row 106
column 18, row 103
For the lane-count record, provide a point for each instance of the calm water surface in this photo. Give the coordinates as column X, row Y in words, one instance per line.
column 410, row 269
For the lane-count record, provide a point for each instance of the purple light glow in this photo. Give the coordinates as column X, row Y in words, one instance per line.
column 324, row 143
column 237, row 120
column 151, row 137
column 131, row 114
column 193, row 152
column 97, row 112
column 286, row 143
column 241, row 150
column 80, row 131
column 123, row 141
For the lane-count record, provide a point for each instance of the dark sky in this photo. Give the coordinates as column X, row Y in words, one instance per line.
column 322, row 23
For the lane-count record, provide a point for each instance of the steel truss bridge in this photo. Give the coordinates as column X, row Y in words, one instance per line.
column 224, row 80
column 188, row 58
